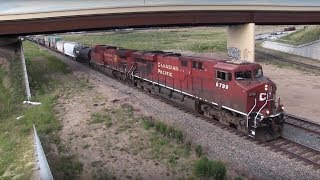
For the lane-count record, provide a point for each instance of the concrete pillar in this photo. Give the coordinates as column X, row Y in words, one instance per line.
column 241, row 42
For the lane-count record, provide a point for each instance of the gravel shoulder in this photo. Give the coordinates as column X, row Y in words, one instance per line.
column 298, row 89
column 254, row 161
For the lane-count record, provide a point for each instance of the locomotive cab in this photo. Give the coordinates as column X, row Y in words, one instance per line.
column 264, row 111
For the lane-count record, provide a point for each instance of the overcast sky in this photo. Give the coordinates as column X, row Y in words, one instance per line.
column 27, row 6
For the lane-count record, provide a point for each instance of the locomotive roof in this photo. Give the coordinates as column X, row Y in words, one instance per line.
column 105, row 46
column 231, row 66
column 205, row 57
column 226, row 66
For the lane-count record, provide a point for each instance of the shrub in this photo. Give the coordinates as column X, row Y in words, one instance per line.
column 188, row 145
column 163, row 128
column 199, row 151
column 158, row 125
column 171, row 132
column 108, row 121
column 208, row 168
column 179, row 136
column 147, row 123
column 173, row 159
column 99, row 117
column 238, row 178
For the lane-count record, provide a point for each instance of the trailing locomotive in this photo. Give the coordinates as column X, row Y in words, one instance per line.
column 235, row 93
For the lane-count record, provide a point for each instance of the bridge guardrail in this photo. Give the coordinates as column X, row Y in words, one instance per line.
column 44, row 172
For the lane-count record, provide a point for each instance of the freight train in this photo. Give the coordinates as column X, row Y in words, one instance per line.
column 236, row 93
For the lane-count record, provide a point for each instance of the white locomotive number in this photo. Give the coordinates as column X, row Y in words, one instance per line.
column 221, row 85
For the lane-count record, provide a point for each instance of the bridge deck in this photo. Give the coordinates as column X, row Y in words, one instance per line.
column 82, row 16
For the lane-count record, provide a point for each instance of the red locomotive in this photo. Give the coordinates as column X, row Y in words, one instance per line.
column 235, row 93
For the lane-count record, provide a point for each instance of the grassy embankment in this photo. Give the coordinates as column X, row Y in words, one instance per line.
column 305, row 35
column 16, row 140
column 204, row 39
column 151, row 139
column 302, row 36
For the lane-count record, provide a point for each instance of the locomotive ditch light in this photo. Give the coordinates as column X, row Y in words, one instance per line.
column 267, row 112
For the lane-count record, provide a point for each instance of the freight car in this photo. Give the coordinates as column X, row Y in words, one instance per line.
column 235, row 93
column 232, row 92
column 82, row 53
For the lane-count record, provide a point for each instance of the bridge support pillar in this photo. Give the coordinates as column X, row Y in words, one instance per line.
column 241, row 42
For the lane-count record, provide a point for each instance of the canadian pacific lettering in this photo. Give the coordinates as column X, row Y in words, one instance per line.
column 166, row 66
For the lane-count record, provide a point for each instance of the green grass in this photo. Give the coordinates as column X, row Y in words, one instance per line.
column 16, row 140
column 210, row 169
column 302, row 36
column 199, row 150
column 194, row 39
column 11, row 87
column 99, row 117
column 43, row 70
column 166, row 142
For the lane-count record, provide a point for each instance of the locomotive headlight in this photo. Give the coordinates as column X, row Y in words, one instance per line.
column 266, row 87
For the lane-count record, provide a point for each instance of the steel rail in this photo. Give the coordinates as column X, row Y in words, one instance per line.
column 302, row 123
column 281, row 59
column 297, row 150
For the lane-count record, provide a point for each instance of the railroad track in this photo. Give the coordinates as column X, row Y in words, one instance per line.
column 292, row 149
column 302, row 123
column 298, row 151
column 281, row 59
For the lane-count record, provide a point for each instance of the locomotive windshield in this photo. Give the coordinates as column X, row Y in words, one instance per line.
column 243, row 75
column 257, row 73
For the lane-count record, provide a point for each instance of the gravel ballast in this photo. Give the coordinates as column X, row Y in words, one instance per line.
column 302, row 137
column 245, row 156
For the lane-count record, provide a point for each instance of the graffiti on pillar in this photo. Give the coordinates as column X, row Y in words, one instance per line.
column 234, row 53
column 246, row 54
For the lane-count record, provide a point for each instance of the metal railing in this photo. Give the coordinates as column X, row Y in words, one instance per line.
column 25, row 73
column 44, row 172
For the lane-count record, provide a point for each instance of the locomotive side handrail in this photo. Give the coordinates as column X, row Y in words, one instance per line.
column 255, row 118
column 255, row 104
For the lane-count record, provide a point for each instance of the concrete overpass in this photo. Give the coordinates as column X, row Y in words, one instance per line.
column 92, row 16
